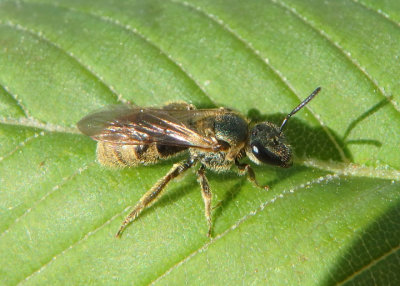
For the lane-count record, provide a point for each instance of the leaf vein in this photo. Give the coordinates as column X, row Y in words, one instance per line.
column 45, row 196
column 348, row 205
column 15, row 98
column 40, row 36
column 370, row 265
column 55, row 188
column 341, row 49
column 201, row 249
column 283, row 194
column 257, row 54
column 80, row 240
column 22, row 144
column 135, row 32
column 33, row 123
column 379, row 12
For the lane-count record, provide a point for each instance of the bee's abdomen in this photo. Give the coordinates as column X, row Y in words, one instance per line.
column 165, row 151
column 121, row 155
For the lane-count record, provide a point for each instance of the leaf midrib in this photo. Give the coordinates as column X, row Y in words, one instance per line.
column 112, row 218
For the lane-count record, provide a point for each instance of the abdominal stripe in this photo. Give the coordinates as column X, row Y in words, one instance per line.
column 121, row 155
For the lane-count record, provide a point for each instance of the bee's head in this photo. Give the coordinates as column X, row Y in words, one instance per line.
column 267, row 144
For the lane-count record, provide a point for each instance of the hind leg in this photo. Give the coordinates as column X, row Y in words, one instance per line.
column 206, row 194
column 155, row 192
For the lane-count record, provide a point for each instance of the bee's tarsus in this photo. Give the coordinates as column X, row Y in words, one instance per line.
column 251, row 176
column 206, row 194
column 118, row 234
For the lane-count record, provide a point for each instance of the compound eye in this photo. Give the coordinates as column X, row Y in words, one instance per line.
column 265, row 155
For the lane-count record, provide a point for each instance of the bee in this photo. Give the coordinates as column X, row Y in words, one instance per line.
column 216, row 139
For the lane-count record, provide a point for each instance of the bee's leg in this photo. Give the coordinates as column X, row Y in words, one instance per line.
column 154, row 193
column 206, row 194
column 246, row 168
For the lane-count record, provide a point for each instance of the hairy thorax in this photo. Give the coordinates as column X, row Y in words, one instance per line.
column 230, row 128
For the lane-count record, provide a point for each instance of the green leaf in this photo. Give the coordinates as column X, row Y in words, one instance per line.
column 331, row 219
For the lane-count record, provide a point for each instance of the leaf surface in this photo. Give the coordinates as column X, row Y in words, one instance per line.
column 331, row 219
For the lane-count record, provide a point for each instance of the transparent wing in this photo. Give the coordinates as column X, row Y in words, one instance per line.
column 137, row 126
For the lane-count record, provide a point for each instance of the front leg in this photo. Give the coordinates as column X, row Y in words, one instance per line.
column 154, row 193
column 206, row 194
column 246, row 168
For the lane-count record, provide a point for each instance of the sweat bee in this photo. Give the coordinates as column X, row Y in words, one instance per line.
column 216, row 139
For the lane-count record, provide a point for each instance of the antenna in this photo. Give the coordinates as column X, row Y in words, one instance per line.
column 300, row 106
